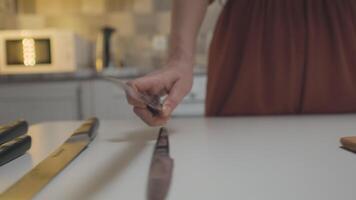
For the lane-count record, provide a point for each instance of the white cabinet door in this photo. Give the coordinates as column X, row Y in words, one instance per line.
column 109, row 101
column 49, row 101
column 194, row 103
column 38, row 102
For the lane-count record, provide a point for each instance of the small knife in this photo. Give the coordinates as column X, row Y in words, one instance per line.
column 153, row 102
column 161, row 169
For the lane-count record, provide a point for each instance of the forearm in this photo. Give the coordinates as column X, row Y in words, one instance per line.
column 187, row 17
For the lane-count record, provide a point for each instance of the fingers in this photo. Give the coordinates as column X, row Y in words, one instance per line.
column 148, row 118
column 135, row 101
column 176, row 82
column 146, row 85
column 174, row 97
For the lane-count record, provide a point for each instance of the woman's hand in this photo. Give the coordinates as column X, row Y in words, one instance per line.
column 175, row 81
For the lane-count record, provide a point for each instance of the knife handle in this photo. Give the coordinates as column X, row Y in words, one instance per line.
column 12, row 130
column 15, row 148
column 90, row 127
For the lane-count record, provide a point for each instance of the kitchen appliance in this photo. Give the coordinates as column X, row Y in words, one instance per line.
column 104, row 51
column 42, row 51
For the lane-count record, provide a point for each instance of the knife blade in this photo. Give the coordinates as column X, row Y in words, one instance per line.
column 153, row 102
column 35, row 180
column 161, row 169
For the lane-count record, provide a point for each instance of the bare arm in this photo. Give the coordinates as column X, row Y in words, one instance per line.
column 176, row 78
column 187, row 17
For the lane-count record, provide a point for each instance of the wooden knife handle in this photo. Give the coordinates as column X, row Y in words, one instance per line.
column 349, row 143
column 89, row 127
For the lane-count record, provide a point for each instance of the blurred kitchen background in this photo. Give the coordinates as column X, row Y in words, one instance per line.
column 43, row 77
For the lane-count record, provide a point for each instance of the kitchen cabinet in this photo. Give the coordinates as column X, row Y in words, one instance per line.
column 194, row 103
column 80, row 99
column 109, row 101
column 38, row 102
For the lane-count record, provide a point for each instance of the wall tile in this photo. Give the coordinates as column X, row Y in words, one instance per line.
column 10, row 22
column 123, row 22
column 146, row 24
column 72, row 6
column 31, row 21
column 200, row 49
column 69, row 22
column 163, row 21
column 201, row 60
column 49, row 7
column 137, row 21
column 3, row 22
column 93, row 6
column 143, row 7
column 58, row 7
column 162, row 5
column 8, row 6
column 26, row 6
column 211, row 17
column 139, row 51
column 119, row 5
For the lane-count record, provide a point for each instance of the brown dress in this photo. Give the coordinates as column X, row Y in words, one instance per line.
column 283, row 57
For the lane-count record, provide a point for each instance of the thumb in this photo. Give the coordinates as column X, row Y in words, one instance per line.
column 175, row 96
column 168, row 107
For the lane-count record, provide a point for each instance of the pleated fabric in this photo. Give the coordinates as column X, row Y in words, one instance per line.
column 283, row 57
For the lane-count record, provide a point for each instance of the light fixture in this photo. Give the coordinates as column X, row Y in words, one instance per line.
column 29, row 53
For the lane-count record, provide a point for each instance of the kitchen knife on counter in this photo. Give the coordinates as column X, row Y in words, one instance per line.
column 14, row 148
column 12, row 130
column 32, row 182
column 153, row 102
column 161, row 169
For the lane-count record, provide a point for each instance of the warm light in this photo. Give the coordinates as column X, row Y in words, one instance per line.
column 99, row 64
column 29, row 53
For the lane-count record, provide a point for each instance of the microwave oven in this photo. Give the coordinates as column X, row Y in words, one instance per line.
column 43, row 51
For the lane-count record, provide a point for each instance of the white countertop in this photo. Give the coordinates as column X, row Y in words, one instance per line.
column 267, row 158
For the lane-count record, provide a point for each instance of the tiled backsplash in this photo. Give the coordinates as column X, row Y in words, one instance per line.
column 142, row 25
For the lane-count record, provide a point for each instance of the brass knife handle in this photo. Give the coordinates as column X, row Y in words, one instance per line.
column 89, row 127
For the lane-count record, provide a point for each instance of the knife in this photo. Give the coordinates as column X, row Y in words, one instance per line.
column 161, row 168
column 35, row 180
column 12, row 130
column 153, row 102
column 14, row 148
